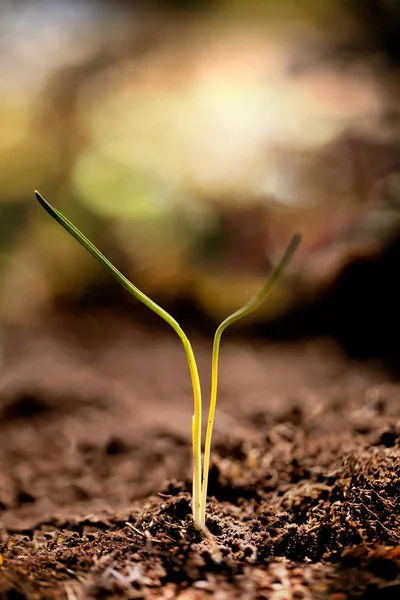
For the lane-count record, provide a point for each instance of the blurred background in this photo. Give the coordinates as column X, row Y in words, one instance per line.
column 189, row 141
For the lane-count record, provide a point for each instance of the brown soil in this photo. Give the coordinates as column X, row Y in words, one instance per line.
column 95, row 469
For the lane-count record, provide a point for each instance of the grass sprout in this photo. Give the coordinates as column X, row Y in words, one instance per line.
column 200, row 470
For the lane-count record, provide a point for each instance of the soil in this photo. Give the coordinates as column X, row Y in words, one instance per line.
column 95, row 468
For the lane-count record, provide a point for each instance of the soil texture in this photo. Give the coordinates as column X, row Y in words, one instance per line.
column 95, row 468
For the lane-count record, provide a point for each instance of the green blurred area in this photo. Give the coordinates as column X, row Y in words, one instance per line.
column 189, row 141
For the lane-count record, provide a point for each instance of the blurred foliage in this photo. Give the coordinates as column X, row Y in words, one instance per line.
column 190, row 140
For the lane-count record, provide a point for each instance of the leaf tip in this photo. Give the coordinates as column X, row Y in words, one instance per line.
column 39, row 197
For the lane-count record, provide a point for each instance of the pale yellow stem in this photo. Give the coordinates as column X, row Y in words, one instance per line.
column 244, row 310
column 210, row 422
column 128, row 285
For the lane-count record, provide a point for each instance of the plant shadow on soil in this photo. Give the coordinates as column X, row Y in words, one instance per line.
column 95, row 468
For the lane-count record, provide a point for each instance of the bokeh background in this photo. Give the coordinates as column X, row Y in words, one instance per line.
column 189, row 141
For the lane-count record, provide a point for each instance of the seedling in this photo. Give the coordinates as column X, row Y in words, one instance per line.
column 200, row 470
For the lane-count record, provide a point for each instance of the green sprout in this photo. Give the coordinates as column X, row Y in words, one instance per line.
column 200, row 470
